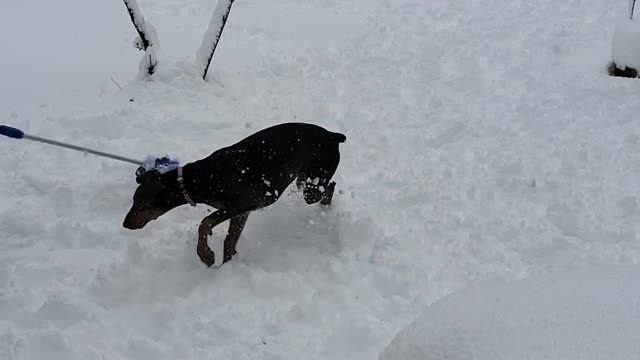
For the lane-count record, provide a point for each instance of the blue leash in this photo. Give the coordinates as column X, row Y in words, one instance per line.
column 163, row 164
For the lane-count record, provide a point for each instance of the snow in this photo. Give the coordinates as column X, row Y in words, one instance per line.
column 162, row 164
column 485, row 141
column 625, row 50
column 590, row 313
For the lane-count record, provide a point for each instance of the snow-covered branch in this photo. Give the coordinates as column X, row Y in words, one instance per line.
column 212, row 36
column 147, row 39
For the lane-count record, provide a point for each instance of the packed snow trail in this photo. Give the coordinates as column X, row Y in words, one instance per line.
column 485, row 141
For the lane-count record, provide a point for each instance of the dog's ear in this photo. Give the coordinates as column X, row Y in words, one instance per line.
column 148, row 177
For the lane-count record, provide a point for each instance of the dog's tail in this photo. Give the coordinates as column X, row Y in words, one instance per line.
column 338, row 137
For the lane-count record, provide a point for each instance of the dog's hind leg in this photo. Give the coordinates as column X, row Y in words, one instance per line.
column 236, row 225
column 315, row 178
column 328, row 194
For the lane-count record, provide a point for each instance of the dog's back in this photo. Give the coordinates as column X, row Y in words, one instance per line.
column 288, row 144
column 290, row 135
column 261, row 166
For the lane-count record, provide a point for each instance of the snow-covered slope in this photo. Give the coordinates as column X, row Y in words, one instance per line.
column 485, row 140
column 590, row 313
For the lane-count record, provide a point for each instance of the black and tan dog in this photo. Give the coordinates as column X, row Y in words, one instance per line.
column 241, row 178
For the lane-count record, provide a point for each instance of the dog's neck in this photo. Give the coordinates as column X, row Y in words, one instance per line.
column 178, row 197
column 201, row 184
column 183, row 188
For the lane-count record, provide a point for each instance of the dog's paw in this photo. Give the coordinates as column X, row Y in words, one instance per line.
column 207, row 256
column 228, row 256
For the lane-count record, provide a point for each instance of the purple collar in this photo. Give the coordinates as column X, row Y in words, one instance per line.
column 183, row 189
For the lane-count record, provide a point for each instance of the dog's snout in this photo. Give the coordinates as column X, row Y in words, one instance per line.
column 136, row 219
column 130, row 225
column 132, row 221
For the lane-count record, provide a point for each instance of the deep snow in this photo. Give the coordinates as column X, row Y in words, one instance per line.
column 485, row 140
column 590, row 313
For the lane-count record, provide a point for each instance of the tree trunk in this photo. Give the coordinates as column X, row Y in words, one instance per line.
column 212, row 36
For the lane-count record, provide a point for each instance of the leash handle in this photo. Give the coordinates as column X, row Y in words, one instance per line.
column 11, row 132
column 19, row 134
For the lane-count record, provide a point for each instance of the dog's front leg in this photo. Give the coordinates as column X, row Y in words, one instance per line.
column 236, row 225
column 205, row 229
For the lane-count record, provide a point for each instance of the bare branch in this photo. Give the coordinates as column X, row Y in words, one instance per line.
column 116, row 83
column 147, row 37
column 138, row 21
column 212, row 36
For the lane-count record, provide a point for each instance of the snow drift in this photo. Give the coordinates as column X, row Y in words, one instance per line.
column 625, row 49
column 586, row 314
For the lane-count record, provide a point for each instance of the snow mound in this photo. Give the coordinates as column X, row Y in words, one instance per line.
column 625, row 49
column 588, row 314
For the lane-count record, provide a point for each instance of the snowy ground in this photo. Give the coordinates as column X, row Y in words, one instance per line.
column 590, row 314
column 485, row 140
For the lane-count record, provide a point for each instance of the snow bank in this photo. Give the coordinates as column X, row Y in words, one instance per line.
column 625, row 50
column 587, row 314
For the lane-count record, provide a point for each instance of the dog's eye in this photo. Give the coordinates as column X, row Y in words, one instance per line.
column 141, row 205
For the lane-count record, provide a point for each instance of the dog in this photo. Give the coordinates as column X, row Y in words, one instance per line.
column 236, row 180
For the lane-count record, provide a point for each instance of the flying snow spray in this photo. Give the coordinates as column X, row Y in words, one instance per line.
column 161, row 165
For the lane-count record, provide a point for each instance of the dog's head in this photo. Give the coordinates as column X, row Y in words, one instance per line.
column 151, row 200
